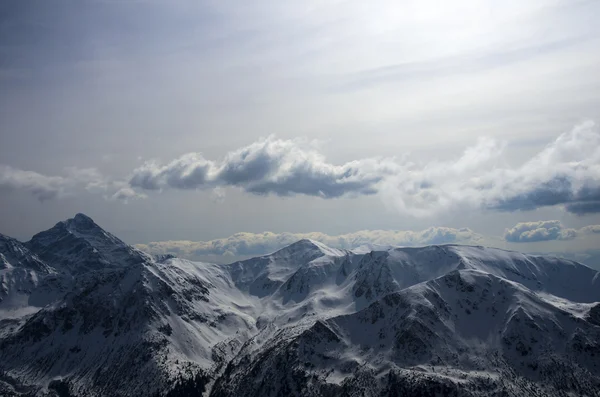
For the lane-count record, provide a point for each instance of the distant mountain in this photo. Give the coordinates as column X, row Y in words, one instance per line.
column 589, row 257
column 84, row 314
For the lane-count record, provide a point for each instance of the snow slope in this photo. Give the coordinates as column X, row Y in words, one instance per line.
column 83, row 313
column 465, row 330
column 20, row 273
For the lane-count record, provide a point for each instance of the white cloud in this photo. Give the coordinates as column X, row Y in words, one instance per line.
column 528, row 232
column 268, row 166
column 566, row 172
column 242, row 244
column 45, row 187
column 592, row 229
column 75, row 180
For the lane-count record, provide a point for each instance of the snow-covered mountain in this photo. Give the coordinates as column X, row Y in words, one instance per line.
column 84, row 314
column 78, row 245
column 20, row 273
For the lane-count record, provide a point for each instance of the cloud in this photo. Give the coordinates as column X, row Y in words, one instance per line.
column 528, row 232
column 74, row 180
column 44, row 187
column 269, row 166
column 40, row 186
column 126, row 193
column 245, row 244
column 566, row 173
column 187, row 172
column 592, row 229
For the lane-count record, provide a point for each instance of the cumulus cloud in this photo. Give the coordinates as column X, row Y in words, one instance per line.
column 45, row 187
column 269, row 166
column 592, row 229
column 566, row 172
column 528, row 232
column 245, row 244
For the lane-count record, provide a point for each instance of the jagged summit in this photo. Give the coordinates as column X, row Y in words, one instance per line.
column 300, row 245
column 78, row 245
column 309, row 246
column 81, row 221
column 81, row 225
column 263, row 275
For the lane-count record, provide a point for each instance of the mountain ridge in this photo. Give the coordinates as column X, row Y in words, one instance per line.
column 108, row 320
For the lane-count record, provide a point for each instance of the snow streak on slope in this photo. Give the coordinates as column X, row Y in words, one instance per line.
column 461, row 332
column 85, row 313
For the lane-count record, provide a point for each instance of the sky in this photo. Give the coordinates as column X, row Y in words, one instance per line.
column 232, row 127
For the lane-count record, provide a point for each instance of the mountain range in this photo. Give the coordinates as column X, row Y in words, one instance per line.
column 84, row 314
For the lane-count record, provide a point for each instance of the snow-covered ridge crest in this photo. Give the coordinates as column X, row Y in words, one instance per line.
column 85, row 313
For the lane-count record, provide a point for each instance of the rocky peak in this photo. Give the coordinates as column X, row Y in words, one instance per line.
column 79, row 244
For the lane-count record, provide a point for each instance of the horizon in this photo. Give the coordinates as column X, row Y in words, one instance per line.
column 187, row 125
column 226, row 251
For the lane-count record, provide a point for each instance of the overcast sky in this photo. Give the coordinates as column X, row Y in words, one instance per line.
column 196, row 120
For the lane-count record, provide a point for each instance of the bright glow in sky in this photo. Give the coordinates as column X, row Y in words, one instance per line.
column 195, row 120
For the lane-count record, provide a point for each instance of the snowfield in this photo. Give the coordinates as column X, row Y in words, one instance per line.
column 84, row 314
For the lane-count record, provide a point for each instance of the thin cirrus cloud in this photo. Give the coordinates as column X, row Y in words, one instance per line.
column 243, row 244
column 529, row 232
column 565, row 173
